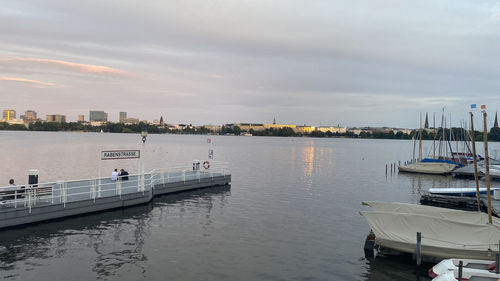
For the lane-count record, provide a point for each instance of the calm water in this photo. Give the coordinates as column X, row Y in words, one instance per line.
column 291, row 212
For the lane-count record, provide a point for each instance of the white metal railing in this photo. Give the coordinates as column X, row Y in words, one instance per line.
column 63, row 192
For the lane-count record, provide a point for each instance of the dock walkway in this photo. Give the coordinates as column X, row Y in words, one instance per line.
column 46, row 201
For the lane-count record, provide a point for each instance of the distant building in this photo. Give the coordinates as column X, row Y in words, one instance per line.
column 9, row 114
column 98, row 116
column 213, row 128
column 130, row 121
column 304, row 129
column 56, row 118
column 278, row 126
column 16, row 122
column 334, row 130
column 162, row 123
column 81, row 118
column 251, row 126
column 123, row 116
column 30, row 115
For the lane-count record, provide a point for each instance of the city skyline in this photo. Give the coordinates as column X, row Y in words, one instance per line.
column 427, row 119
column 357, row 63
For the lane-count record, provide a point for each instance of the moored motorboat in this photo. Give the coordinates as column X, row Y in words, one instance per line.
column 441, row 237
column 468, row 275
column 460, row 191
column 468, row 265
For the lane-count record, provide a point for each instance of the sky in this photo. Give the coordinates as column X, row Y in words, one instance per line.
column 348, row 63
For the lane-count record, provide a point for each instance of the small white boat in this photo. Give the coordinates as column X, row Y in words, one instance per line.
column 468, row 265
column 467, row 275
column 460, row 191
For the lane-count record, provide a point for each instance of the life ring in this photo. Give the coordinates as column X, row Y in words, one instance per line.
column 206, row 165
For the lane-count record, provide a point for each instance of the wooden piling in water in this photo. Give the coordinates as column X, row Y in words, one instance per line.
column 418, row 250
column 386, row 169
column 497, row 262
column 460, row 270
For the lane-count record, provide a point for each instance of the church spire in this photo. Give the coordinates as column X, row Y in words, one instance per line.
column 495, row 125
column 274, row 121
column 162, row 123
column 426, row 124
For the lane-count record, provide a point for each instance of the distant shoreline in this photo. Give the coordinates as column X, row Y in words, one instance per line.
column 117, row 128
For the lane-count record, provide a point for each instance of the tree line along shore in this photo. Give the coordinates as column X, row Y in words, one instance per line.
column 427, row 134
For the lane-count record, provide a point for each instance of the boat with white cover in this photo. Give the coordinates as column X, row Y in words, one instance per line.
column 441, row 238
column 438, row 212
column 445, row 233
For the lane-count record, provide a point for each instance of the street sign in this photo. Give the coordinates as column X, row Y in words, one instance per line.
column 120, row 154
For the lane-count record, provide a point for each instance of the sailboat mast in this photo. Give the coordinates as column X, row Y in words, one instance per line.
column 420, row 144
column 476, row 177
column 414, row 145
column 487, row 163
column 434, row 141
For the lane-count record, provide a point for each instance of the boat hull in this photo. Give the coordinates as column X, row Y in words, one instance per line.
column 467, row 192
column 435, row 168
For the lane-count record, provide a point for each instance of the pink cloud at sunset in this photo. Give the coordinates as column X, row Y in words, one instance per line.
column 84, row 68
column 31, row 83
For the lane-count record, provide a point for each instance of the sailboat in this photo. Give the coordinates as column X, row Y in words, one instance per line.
column 434, row 165
column 443, row 233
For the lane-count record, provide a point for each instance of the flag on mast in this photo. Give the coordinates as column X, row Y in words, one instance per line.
column 483, row 106
column 473, row 106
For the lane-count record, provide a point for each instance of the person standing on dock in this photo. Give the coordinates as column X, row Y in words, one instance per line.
column 123, row 175
column 114, row 175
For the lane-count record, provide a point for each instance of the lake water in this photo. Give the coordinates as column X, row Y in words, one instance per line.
column 291, row 212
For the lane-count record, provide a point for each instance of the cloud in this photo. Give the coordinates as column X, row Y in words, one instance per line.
column 31, row 83
column 79, row 67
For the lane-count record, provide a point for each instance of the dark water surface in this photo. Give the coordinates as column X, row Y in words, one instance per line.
column 291, row 212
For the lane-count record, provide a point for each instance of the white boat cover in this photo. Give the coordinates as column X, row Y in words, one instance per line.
column 437, row 168
column 441, row 238
column 442, row 213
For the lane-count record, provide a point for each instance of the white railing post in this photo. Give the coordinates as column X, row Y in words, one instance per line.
column 184, row 176
column 29, row 201
column 65, row 199
column 120, row 190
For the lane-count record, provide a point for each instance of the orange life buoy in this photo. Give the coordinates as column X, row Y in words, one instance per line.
column 206, row 165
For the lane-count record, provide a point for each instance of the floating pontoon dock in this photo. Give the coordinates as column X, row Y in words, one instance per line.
column 45, row 201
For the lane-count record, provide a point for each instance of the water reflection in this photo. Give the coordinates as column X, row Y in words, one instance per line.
column 308, row 160
column 109, row 241
column 394, row 268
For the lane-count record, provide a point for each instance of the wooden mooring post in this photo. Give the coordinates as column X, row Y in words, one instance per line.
column 497, row 262
column 460, row 270
column 385, row 169
column 418, row 250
